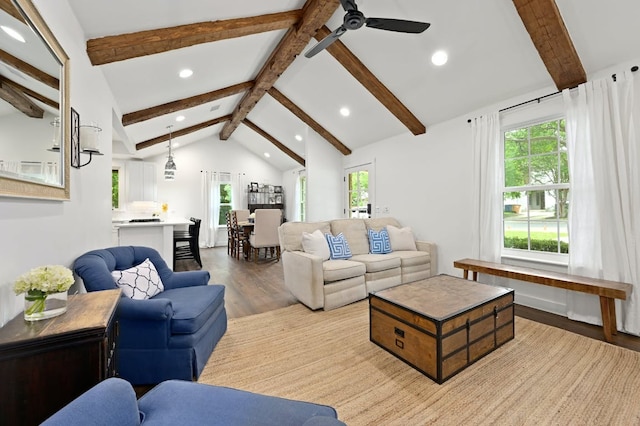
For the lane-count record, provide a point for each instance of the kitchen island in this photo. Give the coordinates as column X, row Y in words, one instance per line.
column 157, row 235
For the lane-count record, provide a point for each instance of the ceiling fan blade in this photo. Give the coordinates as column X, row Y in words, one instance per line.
column 325, row 42
column 349, row 5
column 398, row 25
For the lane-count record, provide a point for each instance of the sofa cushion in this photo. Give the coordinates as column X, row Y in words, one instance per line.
column 290, row 233
column 379, row 241
column 354, row 231
column 401, row 239
column 316, row 244
column 378, row 262
column 338, row 246
column 412, row 258
column 192, row 306
column 336, row 270
column 139, row 282
column 381, row 222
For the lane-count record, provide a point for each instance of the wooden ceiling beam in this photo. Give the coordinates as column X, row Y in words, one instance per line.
column 547, row 30
column 274, row 141
column 20, row 101
column 182, row 104
column 288, row 104
column 35, row 95
column 370, row 82
column 120, row 47
column 315, row 14
column 9, row 7
column 182, row 132
column 29, row 69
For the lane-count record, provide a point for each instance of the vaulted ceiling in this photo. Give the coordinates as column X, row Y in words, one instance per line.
column 252, row 84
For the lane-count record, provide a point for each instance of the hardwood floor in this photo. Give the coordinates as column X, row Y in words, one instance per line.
column 252, row 288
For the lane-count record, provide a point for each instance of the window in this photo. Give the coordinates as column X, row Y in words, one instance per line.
column 115, row 189
column 358, row 192
column 536, row 189
column 225, row 203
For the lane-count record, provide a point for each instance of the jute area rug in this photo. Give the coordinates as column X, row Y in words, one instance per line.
column 544, row 376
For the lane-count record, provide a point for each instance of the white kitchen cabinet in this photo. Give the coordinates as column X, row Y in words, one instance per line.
column 141, row 181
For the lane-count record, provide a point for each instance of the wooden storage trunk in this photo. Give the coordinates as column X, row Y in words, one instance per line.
column 442, row 324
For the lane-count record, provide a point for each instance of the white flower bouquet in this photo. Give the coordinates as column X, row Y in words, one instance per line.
column 39, row 283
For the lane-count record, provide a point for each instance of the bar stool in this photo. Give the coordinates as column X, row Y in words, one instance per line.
column 191, row 250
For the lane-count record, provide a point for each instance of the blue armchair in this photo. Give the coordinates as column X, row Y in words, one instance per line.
column 112, row 402
column 172, row 334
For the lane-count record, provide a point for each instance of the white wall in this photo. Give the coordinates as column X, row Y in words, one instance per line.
column 324, row 179
column 35, row 233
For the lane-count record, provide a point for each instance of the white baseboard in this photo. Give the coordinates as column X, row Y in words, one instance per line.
column 546, row 305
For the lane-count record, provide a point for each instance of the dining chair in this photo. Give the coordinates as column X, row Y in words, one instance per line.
column 191, row 250
column 230, row 238
column 242, row 215
column 239, row 237
column 265, row 232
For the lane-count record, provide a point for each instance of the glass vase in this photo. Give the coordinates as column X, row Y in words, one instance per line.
column 40, row 306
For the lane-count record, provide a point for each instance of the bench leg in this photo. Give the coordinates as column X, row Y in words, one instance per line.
column 465, row 274
column 608, row 311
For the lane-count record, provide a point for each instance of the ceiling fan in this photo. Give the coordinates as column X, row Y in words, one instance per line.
column 354, row 19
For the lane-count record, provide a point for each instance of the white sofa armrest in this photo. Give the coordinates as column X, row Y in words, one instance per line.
column 430, row 248
column 303, row 276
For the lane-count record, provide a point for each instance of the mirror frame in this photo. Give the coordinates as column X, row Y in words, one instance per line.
column 24, row 189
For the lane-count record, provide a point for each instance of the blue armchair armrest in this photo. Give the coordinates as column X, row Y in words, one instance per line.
column 110, row 402
column 186, row 279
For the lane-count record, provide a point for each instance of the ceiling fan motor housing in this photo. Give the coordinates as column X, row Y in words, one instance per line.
column 353, row 20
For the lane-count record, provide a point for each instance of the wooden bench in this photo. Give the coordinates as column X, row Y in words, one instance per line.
column 607, row 290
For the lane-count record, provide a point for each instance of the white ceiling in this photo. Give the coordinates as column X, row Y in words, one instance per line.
column 491, row 58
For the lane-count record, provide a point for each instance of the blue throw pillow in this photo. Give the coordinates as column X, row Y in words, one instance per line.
column 379, row 242
column 338, row 246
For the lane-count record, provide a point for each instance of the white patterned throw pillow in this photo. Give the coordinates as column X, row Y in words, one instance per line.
column 139, row 282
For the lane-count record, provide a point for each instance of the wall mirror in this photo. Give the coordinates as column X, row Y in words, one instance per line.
column 34, row 106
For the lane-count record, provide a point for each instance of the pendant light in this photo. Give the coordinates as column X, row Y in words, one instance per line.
column 170, row 167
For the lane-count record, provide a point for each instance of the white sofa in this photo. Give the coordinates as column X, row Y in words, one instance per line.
column 329, row 284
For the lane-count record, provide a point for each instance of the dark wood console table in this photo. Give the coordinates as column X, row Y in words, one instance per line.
column 46, row 364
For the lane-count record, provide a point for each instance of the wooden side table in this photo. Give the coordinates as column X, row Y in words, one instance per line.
column 46, row 364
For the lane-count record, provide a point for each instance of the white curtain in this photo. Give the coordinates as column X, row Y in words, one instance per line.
column 604, row 214
column 238, row 192
column 210, row 193
column 297, row 212
column 487, row 188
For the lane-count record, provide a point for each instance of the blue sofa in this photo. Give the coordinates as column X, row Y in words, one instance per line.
column 172, row 334
column 112, row 402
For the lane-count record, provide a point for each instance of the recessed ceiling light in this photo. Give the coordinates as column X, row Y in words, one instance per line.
column 439, row 58
column 186, row 73
column 266, row 154
column 299, row 138
column 180, row 118
column 345, row 111
column 13, row 33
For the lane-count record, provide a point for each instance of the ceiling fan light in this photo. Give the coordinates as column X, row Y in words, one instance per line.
column 186, row 73
column 13, row 33
column 439, row 58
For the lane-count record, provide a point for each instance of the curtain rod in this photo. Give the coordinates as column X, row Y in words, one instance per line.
column 538, row 99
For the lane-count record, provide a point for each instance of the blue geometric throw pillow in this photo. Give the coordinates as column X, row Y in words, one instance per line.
column 379, row 242
column 338, row 246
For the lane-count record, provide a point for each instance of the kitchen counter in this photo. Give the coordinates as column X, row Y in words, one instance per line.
column 157, row 235
column 163, row 222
